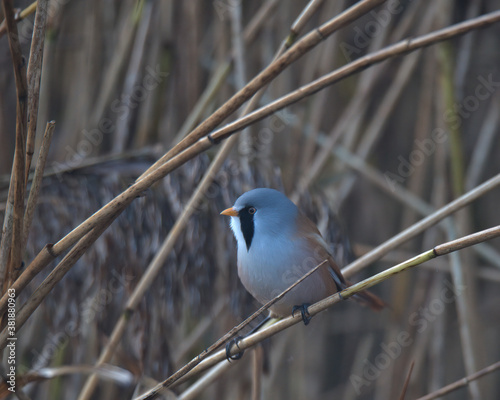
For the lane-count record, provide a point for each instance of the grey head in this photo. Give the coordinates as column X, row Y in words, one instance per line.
column 264, row 212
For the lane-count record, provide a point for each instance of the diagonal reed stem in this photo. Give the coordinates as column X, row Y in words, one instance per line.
column 322, row 305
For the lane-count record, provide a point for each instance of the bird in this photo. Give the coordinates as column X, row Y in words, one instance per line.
column 278, row 244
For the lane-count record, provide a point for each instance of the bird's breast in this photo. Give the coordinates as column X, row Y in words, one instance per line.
column 267, row 270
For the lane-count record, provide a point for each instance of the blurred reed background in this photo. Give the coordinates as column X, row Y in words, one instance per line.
column 126, row 80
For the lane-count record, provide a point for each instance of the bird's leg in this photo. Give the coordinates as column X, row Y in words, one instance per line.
column 339, row 283
column 229, row 346
column 236, row 340
column 306, row 317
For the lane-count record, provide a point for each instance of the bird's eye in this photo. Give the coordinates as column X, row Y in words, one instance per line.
column 252, row 210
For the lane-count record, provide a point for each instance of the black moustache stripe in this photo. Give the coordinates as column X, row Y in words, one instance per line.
column 247, row 226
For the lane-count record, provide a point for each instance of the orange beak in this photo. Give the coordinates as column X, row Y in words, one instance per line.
column 230, row 211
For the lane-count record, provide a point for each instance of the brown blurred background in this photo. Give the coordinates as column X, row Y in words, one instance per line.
column 121, row 78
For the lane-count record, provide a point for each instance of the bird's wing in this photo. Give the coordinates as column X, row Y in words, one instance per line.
column 308, row 230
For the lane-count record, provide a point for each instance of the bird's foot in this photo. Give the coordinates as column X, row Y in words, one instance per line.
column 236, row 340
column 229, row 346
column 306, row 317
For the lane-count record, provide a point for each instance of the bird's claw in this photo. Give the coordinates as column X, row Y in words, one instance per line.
column 306, row 317
column 229, row 346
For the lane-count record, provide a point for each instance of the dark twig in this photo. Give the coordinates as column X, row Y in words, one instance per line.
column 461, row 382
column 12, row 235
column 37, row 180
column 34, row 75
column 407, row 382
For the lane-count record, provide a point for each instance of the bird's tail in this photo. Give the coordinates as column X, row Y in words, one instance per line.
column 369, row 299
